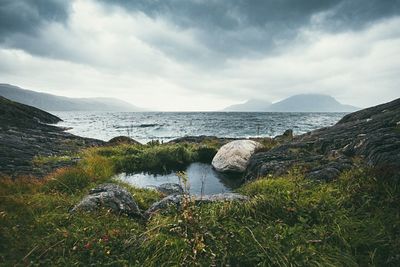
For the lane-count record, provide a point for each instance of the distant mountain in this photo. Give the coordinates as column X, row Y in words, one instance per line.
column 310, row 103
column 296, row 103
column 51, row 102
column 249, row 106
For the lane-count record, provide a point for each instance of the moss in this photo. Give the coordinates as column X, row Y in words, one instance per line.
column 52, row 160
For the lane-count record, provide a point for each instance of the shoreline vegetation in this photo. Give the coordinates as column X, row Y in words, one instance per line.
column 326, row 198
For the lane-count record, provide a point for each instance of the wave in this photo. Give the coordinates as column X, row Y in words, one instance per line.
column 148, row 125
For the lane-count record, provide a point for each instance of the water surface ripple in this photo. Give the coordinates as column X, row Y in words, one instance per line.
column 146, row 126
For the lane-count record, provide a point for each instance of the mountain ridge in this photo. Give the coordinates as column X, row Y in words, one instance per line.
column 250, row 105
column 51, row 102
column 295, row 103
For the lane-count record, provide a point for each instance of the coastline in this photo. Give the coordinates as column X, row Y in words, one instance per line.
column 304, row 197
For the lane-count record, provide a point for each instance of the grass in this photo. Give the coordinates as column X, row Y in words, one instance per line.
column 155, row 158
column 289, row 221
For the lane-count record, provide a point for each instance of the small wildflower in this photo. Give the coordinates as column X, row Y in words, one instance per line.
column 88, row 245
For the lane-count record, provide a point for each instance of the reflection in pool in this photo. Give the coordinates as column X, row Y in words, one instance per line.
column 201, row 176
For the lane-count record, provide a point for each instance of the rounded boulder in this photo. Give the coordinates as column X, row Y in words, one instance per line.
column 234, row 156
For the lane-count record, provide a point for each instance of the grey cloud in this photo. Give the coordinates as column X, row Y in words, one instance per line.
column 227, row 15
column 224, row 29
column 274, row 15
column 27, row 16
column 246, row 28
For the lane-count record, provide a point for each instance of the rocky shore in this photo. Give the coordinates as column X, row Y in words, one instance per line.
column 25, row 133
column 370, row 137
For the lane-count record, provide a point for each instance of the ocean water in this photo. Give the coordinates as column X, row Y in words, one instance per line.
column 165, row 126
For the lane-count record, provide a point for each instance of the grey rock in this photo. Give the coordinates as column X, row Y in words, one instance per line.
column 234, row 156
column 118, row 140
column 371, row 135
column 286, row 136
column 165, row 203
column 170, row 188
column 109, row 196
column 176, row 201
column 25, row 133
column 325, row 174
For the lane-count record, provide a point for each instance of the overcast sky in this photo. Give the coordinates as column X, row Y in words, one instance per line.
column 203, row 54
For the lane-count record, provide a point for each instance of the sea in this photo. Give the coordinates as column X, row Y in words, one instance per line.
column 165, row 126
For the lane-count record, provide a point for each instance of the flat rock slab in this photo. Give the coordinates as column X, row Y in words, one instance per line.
column 234, row 156
column 109, row 196
column 24, row 134
column 169, row 189
column 176, row 201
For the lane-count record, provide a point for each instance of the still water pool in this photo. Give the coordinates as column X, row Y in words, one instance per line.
column 203, row 179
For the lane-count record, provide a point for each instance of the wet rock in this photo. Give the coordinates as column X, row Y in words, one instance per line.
column 170, row 189
column 109, row 196
column 235, row 155
column 176, row 201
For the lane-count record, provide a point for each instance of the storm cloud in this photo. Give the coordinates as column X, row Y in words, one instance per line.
column 27, row 16
column 203, row 54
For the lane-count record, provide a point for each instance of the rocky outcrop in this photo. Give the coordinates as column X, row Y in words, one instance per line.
column 22, row 115
column 175, row 201
column 109, row 196
column 286, row 136
column 234, row 156
column 122, row 140
column 25, row 133
column 371, row 135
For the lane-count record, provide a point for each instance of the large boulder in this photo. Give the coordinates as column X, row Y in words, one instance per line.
column 109, row 196
column 235, row 155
